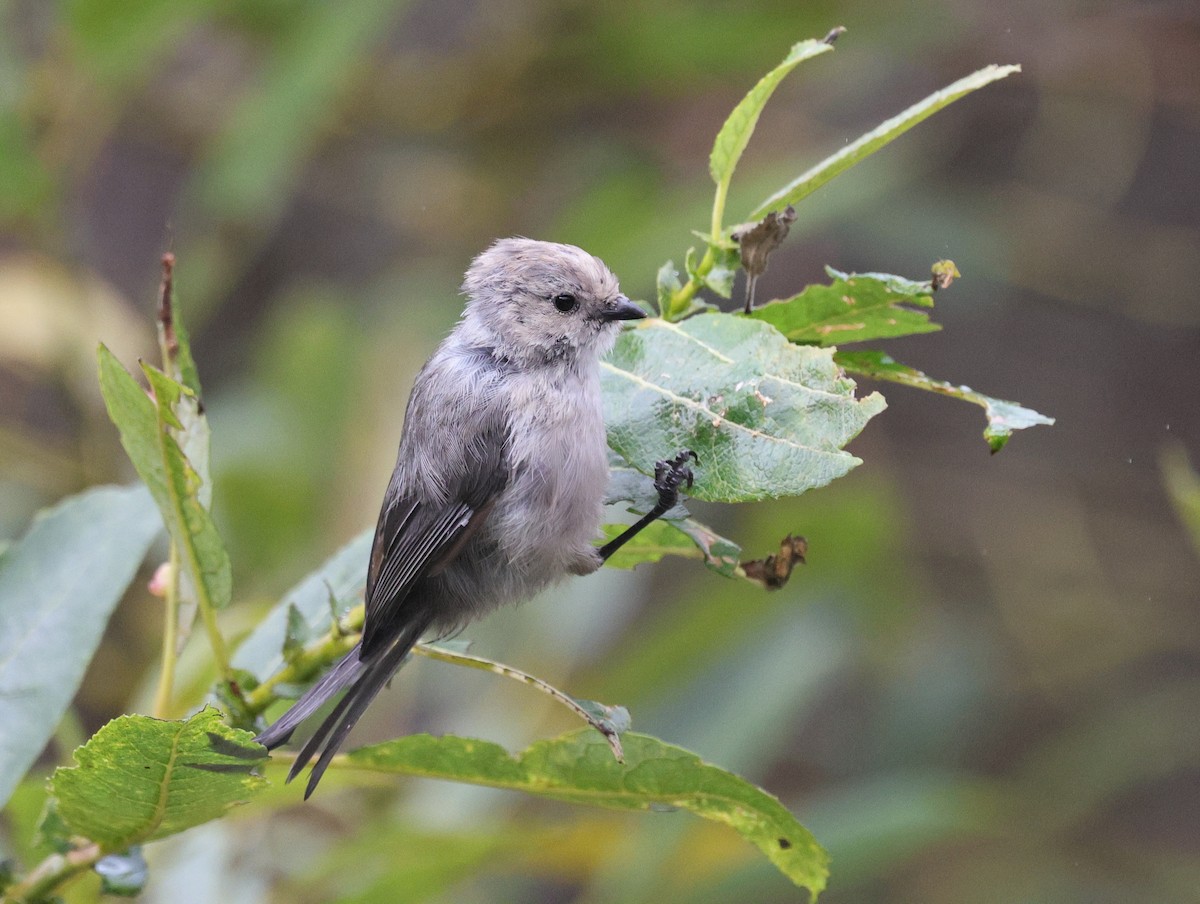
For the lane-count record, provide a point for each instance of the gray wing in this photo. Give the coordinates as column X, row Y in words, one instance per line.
column 416, row 537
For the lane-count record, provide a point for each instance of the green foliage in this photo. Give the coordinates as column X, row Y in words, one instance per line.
column 763, row 400
column 58, row 586
column 146, row 426
column 1003, row 417
column 578, row 768
column 853, row 308
column 885, row 133
column 139, row 778
column 766, row 418
column 269, row 135
column 686, row 538
column 735, row 133
column 330, row 587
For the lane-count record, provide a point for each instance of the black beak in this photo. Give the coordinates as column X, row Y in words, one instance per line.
column 622, row 309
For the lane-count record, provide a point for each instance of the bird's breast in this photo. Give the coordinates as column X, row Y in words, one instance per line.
column 552, row 508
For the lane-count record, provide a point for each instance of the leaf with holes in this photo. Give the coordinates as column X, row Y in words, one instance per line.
column 1003, row 417
column 855, row 307
column 767, row 418
column 139, row 779
column 579, row 768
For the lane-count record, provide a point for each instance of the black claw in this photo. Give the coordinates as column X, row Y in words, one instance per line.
column 670, row 473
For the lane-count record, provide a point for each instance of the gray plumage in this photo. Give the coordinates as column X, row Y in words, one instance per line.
column 501, row 473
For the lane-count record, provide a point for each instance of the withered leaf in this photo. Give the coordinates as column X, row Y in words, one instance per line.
column 773, row 571
column 942, row 274
column 757, row 241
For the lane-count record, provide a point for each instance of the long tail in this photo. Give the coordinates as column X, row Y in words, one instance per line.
column 365, row 678
column 338, row 678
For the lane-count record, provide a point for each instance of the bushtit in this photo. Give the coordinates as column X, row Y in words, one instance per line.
column 500, row 478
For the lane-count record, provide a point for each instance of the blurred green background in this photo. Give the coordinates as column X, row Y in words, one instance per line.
column 984, row 687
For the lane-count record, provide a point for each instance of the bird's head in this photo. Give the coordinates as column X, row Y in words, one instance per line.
column 542, row 301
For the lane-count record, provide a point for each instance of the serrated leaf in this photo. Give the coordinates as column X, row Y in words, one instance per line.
column 853, row 308
column 146, row 428
column 203, row 551
column 735, row 133
column 58, row 586
column 1003, row 417
column 342, row 575
column 579, row 768
column 139, row 778
column 766, row 417
column 885, row 133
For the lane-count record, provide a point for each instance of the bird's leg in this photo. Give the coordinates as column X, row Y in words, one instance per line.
column 668, row 475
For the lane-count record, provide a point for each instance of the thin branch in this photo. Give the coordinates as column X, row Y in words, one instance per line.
column 51, row 873
column 602, row 724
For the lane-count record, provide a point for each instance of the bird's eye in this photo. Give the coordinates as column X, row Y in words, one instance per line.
column 566, row 302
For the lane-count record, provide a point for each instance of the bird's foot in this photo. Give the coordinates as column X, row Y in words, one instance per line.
column 670, row 474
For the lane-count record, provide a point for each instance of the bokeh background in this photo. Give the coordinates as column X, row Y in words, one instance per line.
column 984, row 687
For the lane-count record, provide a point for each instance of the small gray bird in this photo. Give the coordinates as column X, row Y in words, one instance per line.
column 499, row 483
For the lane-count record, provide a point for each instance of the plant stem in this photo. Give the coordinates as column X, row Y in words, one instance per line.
column 342, row 637
column 344, row 634
column 499, row 668
column 51, row 873
column 681, row 299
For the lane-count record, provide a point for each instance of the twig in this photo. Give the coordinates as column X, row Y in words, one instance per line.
column 603, row 725
column 344, row 634
column 51, row 873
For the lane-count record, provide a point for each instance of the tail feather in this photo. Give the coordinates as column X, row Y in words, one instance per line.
column 365, row 679
column 341, row 676
column 350, row 709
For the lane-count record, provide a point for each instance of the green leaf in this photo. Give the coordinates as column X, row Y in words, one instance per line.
column 667, row 285
column 735, row 133
column 721, row 555
column 687, row 538
column 767, row 418
column 719, row 277
column 655, row 540
column 888, row 131
column 139, row 779
column 680, row 535
column 853, row 308
column 1003, row 417
column 58, row 586
column 342, row 575
column 298, row 633
column 579, row 768
column 146, row 429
